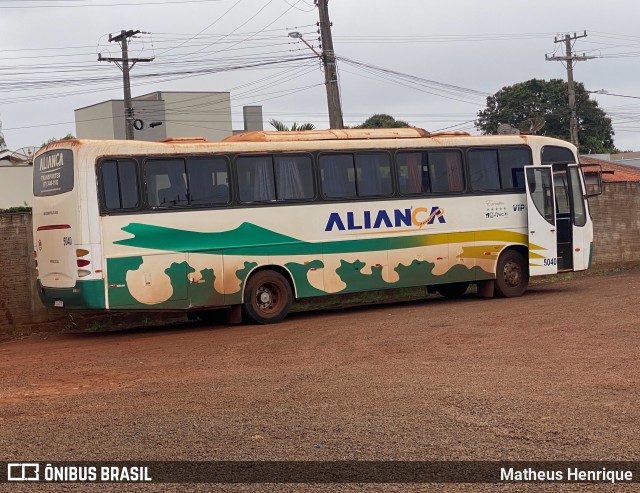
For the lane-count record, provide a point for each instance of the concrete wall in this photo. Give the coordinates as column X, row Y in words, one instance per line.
column 616, row 215
column 16, row 186
column 183, row 114
column 198, row 114
column 101, row 121
column 616, row 222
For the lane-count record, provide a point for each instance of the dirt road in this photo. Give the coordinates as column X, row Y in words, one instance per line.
column 553, row 375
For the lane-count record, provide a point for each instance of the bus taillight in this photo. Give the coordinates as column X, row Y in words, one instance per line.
column 82, row 262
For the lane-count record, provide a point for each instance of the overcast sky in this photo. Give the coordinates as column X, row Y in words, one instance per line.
column 49, row 67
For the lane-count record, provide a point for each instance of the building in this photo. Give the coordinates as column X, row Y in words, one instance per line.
column 626, row 158
column 16, row 176
column 611, row 172
column 165, row 114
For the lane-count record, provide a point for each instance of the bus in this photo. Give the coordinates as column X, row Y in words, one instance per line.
column 261, row 220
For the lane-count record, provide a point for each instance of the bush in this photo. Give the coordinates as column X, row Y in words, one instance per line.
column 15, row 210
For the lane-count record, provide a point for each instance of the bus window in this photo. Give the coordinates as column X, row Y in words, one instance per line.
column 166, row 181
column 541, row 193
column 445, row 168
column 556, row 155
column 338, row 177
column 413, row 172
column 512, row 163
column 373, row 172
column 208, row 181
column 255, row 179
column 120, row 184
column 483, row 169
column 577, row 197
column 563, row 206
column 294, row 177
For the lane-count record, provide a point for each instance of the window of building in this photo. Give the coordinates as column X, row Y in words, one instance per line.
column 120, row 184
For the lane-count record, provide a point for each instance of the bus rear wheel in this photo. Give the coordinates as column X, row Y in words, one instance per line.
column 267, row 297
column 512, row 274
column 453, row 290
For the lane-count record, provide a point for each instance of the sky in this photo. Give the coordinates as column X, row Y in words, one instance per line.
column 430, row 63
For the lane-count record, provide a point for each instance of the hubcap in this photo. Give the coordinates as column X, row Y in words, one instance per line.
column 265, row 298
column 512, row 274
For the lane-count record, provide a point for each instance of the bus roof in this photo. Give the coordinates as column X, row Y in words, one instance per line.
column 333, row 134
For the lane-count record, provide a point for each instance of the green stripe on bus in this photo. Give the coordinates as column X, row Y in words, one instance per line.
column 247, row 237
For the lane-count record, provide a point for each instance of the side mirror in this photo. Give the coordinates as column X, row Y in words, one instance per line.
column 592, row 179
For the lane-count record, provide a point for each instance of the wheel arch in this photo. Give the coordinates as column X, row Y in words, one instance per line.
column 276, row 268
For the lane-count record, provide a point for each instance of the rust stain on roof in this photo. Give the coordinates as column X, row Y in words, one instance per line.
column 334, row 134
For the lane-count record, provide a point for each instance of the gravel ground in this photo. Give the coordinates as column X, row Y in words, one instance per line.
column 553, row 375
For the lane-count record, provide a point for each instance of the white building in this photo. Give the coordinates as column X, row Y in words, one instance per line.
column 160, row 115
column 16, row 176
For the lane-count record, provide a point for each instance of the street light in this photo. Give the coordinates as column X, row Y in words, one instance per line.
column 298, row 35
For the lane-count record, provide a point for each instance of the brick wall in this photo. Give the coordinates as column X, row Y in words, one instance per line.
column 20, row 307
column 616, row 216
column 616, row 223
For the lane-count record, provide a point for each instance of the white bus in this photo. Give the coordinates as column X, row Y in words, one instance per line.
column 263, row 219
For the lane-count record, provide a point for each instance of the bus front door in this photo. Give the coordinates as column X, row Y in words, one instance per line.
column 543, row 248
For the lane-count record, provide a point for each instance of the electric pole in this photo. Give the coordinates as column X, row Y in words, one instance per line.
column 125, row 67
column 330, row 69
column 570, row 58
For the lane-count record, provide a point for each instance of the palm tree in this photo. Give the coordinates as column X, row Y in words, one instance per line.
column 281, row 127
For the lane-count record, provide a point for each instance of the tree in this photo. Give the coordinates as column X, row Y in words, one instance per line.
column 548, row 100
column 281, row 127
column 382, row 120
column 55, row 139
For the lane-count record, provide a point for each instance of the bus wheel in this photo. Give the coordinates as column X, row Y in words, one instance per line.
column 267, row 297
column 512, row 274
column 453, row 290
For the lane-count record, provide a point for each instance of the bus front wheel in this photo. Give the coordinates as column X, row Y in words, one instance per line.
column 512, row 274
column 267, row 297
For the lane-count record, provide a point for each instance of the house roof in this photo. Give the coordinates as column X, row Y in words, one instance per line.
column 612, row 172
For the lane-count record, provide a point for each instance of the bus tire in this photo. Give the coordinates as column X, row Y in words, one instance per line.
column 512, row 274
column 453, row 290
column 267, row 297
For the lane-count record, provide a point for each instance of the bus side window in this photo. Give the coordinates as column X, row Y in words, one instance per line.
column 120, row 184
column 483, row 169
column 294, row 177
column 338, row 177
column 166, row 182
column 445, row 168
column 255, row 178
column 512, row 163
column 373, row 174
column 413, row 172
column 208, row 181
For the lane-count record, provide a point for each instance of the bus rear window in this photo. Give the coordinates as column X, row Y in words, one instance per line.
column 53, row 173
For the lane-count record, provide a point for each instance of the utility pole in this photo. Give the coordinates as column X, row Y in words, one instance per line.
column 570, row 58
column 329, row 62
column 125, row 67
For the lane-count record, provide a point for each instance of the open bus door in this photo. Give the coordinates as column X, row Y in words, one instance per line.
column 543, row 246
